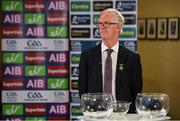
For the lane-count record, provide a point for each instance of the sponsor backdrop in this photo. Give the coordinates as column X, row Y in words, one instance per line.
column 40, row 70
column 84, row 34
column 35, row 57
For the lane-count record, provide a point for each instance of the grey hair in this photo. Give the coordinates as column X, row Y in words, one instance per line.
column 119, row 17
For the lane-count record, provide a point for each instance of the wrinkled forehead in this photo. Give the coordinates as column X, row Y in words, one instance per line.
column 107, row 16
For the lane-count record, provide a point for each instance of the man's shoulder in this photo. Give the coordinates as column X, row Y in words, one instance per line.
column 128, row 51
column 91, row 50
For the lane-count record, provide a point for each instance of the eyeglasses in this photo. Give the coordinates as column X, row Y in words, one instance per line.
column 105, row 24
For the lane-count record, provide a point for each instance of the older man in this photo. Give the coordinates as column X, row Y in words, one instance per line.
column 110, row 67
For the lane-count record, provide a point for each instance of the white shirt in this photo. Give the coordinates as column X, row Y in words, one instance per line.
column 114, row 63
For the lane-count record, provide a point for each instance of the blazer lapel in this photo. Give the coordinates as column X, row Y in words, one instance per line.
column 119, row 68
column 99, row 68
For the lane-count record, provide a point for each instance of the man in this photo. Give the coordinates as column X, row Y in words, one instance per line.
column 123, row 78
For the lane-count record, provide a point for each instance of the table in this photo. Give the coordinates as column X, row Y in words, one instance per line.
column 127, row 117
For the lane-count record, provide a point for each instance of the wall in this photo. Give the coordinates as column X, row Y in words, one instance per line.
column 160, row 58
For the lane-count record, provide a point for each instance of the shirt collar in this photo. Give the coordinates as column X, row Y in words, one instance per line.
column 115, row 47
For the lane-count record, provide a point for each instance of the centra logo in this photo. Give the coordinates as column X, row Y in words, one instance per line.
column 80, row 6
column 34, row 95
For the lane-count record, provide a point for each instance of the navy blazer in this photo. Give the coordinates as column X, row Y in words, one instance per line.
column 128, row 80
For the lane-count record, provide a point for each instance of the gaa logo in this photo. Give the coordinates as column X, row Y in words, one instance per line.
column 11, row 94
column 59, row 94
column 75, row 43
column 34, row 95
column 34, row 43
column 58, row 42
column 11, row 42
column 129, row 44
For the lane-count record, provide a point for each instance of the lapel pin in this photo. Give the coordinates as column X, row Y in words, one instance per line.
column 121, row 67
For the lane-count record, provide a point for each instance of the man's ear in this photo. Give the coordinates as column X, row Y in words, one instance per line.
column 118, row 27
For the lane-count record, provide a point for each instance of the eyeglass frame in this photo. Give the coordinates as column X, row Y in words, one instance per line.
column 105, row 24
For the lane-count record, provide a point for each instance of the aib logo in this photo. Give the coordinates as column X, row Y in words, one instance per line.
column 57, row 58
column 57, row 5
column 34, row 43
column 36, row 83
column 13, row 19
column 35, row 32
column 34, row 95
column 13, row 70
column 58, row 109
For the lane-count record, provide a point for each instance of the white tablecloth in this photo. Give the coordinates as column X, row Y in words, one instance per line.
column 127, row 117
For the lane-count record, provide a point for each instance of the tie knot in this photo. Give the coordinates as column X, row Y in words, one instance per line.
column 109, row 51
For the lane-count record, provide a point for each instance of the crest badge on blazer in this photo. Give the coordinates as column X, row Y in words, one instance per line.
column 121, row 67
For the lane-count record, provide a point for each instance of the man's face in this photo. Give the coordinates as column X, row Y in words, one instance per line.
column 109, row 28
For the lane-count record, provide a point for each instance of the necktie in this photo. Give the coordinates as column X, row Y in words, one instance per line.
column 108, row 73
